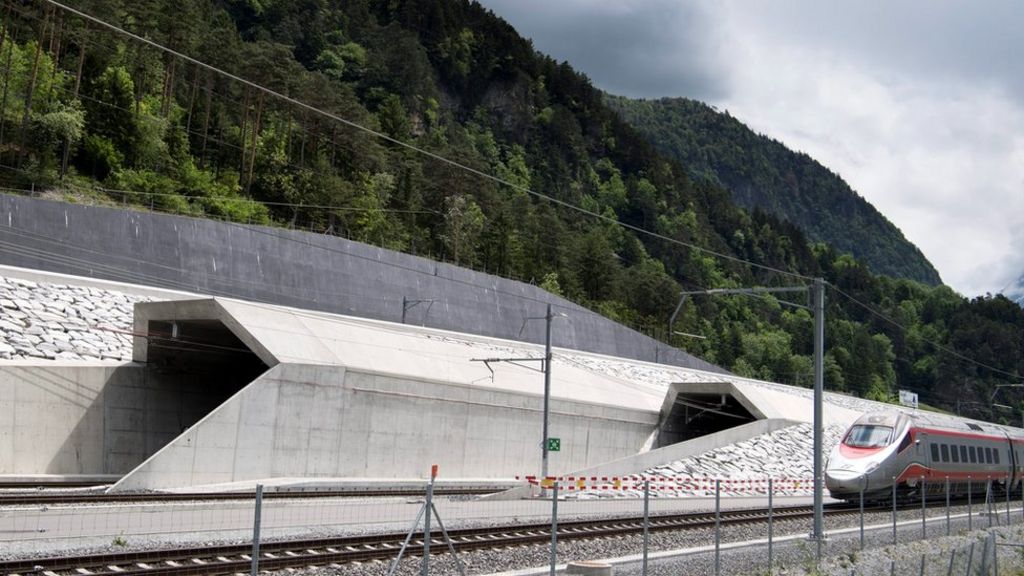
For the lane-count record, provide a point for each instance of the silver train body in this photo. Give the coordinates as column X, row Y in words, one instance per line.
column 923, row 451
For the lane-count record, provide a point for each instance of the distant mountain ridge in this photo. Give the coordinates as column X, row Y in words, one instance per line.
column 1016, row 291
column 763, row 173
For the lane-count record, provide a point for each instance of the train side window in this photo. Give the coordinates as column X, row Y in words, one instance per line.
column 973, row 454
column 904, row 444
column 963, row 453
column 956, row 453
column 935, row 452
column 945, row 453
column 988, row 455
column 995, row 454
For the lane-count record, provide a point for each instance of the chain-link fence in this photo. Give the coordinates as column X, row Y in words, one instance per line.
column 638, row 525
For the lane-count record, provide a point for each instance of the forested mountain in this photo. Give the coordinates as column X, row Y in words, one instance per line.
column 763, row 173
column 100, row 117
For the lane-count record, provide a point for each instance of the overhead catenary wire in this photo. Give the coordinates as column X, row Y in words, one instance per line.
column 417, row 149
column 464, row 167
column 230, row 100
column 938, row 346
column 121, row 191
column 230, row 287
column 450, row 162
column 233, row 288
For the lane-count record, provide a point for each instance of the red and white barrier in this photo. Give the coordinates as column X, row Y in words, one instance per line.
column 672, row 484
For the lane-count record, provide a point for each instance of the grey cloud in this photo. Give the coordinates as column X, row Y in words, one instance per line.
column 935, row 39
column 654, row 48
column 918, row 104
column 640, row 49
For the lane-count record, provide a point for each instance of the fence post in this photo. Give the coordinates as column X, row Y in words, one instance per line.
column 970, row 506
column 647, row 521
column 863, row 478
column 922, row 565
column 894, row 510
column 554, row 527
column 947, row 505
column 952, row 559
column 1006, row 485
column 970, row 560
column 984, row 557
column 988, row 500
column 924, row 511
column 718, row 524
column 995, row 555
column 771, row 525
column 428, row 508
column 256, row 531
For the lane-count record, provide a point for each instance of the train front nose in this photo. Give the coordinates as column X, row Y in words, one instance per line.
column 844, row 482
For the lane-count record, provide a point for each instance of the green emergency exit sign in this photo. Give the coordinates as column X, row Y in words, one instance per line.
column 554, row 444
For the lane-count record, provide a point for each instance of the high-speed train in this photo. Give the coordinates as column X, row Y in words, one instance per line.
column 881, row 449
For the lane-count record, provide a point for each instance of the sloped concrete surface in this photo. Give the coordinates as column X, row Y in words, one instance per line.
column 417, row 395
column 331, row 421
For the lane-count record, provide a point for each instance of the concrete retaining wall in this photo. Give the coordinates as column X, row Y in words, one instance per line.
column 324, row 421
column 90, row 419
column 299, row 269
column 637, row 463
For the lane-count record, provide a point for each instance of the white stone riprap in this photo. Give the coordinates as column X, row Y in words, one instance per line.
column 64, row 322
column 60, row 322
column 743, row 469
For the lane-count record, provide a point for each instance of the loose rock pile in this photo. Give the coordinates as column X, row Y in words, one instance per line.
column 60, row 322
column 743, row 468
column 780, row 455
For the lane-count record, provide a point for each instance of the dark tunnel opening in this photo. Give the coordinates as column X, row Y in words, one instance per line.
column 698, row 414
column 202, row 361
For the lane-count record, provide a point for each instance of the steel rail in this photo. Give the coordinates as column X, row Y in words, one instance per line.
column 230, row 559
column 35, row 498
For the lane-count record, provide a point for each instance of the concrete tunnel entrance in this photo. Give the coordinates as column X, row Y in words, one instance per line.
column 202, row 361
column 690, row 414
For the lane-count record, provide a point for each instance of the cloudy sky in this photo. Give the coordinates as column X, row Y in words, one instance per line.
column 918, row 104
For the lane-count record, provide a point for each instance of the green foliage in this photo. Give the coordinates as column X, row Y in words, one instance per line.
column 109, row 110
column 394, row 120
column 65, row 122
column 343, row 62
column 99, row 157
column 762, row 173
column 550, row 283
column 464, row 223
column 450, row 77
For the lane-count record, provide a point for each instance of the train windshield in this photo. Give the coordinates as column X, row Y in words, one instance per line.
column 868, row 436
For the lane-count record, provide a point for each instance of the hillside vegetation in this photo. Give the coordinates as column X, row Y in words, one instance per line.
column 95, row 114
column 763, row 173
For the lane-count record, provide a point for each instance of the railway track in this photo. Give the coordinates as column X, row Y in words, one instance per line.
column 44, row 499
column 280, row 555
column 36, row 484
